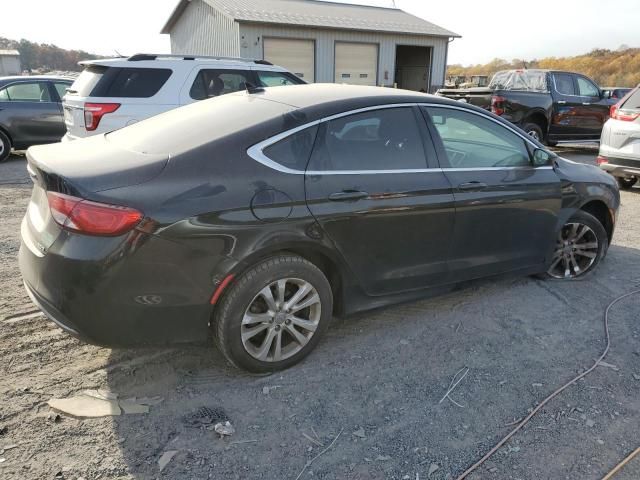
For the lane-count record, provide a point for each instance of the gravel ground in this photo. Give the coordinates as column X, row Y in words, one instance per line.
column 376, row 380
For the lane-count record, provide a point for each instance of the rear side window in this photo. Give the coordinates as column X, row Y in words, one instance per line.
column 136, row 82
column 26, row 92
column 294, row 151
column 385, row 139
column 633, row 101
column 564, row 84
column 211, row 83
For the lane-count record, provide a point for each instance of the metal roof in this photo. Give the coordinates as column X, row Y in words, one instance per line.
column 318, row 14
column 10, row 53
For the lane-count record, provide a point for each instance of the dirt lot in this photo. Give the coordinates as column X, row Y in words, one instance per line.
column 377, row 378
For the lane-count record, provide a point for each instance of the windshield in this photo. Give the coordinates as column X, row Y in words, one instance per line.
column 529, row 80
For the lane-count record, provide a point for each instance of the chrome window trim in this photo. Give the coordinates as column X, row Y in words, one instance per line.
column 257, row 151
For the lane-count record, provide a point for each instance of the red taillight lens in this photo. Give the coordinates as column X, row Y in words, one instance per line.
column 93, row 113
column 616, row 114
column 600, row 160
column 497, row 104
column 91, row 218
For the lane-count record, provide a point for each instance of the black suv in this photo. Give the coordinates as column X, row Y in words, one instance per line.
column 30, row 111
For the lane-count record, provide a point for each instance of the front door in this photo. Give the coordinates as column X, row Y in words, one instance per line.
column 372, row 186
column 506, row 210
column 593, row 110
column 566, row 106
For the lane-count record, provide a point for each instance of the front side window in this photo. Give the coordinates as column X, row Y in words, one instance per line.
column 212, row 83
column 26, row 92
column 587, row 88
column 385, row 139
column 277, row 79
column 473, row 141
column 564, row 84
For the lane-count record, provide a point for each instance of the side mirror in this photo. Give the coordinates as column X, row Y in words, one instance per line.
column 541, row 158
column 605, row 94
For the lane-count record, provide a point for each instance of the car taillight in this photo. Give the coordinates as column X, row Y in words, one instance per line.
column 600, row 160
column 93, row 113
column 616, row 114
column 91, row 218
column 497, row 104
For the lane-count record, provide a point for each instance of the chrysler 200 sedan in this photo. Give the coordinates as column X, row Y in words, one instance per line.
column 257, row 216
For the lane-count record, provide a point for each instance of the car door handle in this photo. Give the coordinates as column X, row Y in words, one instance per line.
column 561, row 102
column 347, row 195
column 586, row 103
column 472, row 186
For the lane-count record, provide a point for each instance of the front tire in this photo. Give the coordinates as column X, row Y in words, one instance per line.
column 580, row 246
column 627, row 182
column 534, row 131
column 274, row 314
column 5, row 146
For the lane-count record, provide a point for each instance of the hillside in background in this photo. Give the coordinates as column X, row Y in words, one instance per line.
column 609, row 68
column 44, row 57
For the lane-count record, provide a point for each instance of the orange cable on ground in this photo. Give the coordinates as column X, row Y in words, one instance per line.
column 506, row 438
column 621, row 464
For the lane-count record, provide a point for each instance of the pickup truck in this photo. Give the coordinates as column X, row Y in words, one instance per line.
column 551, row 106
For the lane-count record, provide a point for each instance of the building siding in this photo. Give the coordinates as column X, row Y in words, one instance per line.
column 203, row 30
column 251, row 36
column 10, row 65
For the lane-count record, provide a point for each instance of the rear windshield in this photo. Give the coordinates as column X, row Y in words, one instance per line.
column 633, row 102
column 527, row 80
column 103, row 81
column 87, row 80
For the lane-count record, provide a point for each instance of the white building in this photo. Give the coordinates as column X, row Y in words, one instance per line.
column 10, row 63
column 318, row 41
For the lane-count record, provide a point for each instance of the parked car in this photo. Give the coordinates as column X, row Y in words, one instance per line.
column 111, row 94
column 620, row 142
column 265, row 214
column 30, row 111
column 616, row 93
column 551, row 106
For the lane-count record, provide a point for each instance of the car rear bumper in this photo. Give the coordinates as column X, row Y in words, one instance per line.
column 621, row 167
column 103, row 292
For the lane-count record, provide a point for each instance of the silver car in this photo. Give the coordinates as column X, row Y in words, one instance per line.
column 620, row 141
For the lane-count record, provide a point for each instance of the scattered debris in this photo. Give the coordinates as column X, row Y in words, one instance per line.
column 131, row 407
column 308, row 464
column 602, row 363
column 224, row 429
column 238, row 442
column 636, row 376
column 433, row 468
column 493, row 469
column 454, row 383
column 166, row 458
column 149, row 401
column 88, row 404
column 2, row 459
column 8, row 447
column 312, row 440
column 600, row 442
column 404, row 342
column 204, row 416
column 360, row 433
column 4, row 430
column 590, row 423
column 510, row 424
column 266, row 390
column 383, row 458
column 54, row 418
column 537, row 385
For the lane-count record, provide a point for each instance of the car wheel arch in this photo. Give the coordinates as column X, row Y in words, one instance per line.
column 333, row 268
column 539, row 118
column 599, row 209
column 5, row 130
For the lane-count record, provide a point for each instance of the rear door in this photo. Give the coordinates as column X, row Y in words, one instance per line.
column 32, row 114
column 506, row 210
column 566, row 105
column 372, row 185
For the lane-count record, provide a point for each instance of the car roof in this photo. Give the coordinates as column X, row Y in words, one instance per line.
column 142, row 60
column 16, row 78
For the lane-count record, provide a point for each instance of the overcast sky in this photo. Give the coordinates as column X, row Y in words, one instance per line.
column 490, row 28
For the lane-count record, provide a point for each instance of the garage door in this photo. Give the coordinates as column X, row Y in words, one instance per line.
column 297, row 56
column 356, row 63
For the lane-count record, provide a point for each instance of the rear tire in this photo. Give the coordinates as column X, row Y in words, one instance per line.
column 534, row 131
column 627, row 182
column 581, row 244
column 256, row 325
column 5, row 146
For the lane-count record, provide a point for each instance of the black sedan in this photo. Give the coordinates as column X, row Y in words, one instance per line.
column 31, row 111
column 258, row 216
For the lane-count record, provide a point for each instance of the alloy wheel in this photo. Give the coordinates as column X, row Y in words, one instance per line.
column 533, row 134
column 280, row 320
column 576, row 251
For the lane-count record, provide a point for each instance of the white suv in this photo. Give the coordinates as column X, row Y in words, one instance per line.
column 113, row 93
